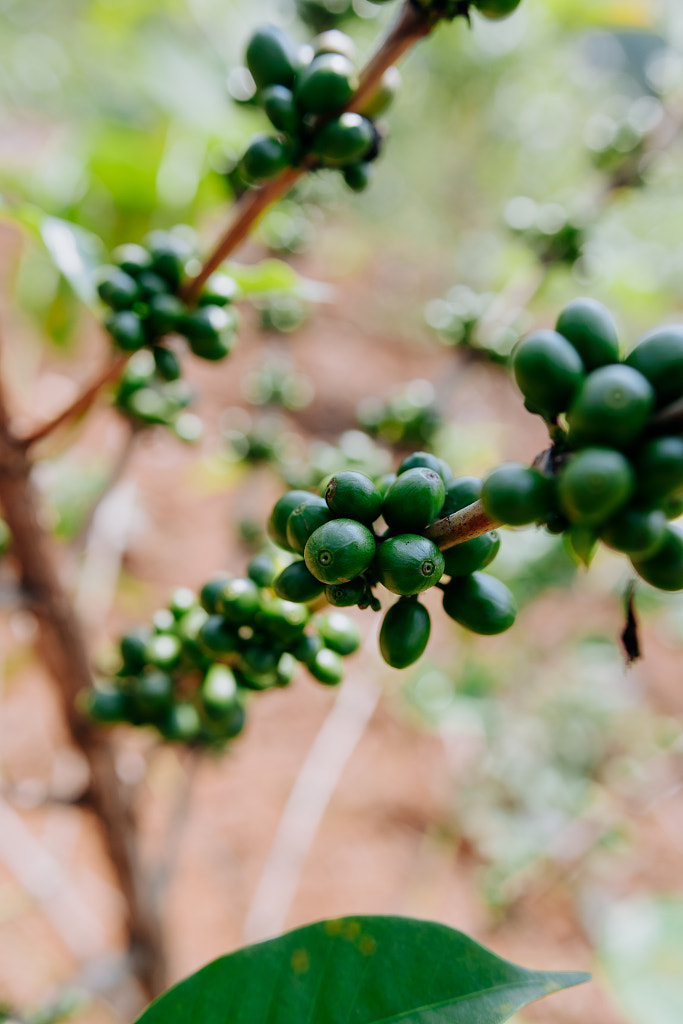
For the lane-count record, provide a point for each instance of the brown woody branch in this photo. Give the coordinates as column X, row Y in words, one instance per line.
column 80, row 404
column 411, row 25
column 468, row 523
column 65, row 654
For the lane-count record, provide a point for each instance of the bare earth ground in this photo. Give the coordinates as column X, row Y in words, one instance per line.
column 383, row 846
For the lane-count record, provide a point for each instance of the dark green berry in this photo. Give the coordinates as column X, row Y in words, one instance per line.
column 471, row 555
column 339, row 551
column 358, row 176
column 664, row 570
column 346, row 595
column 271, row 57
column 590, row 328
column 344, row 140
column 413, row 500
column 278, row 103
column 516, row 494
column 239, row 600
column 658, row 466
column 327, row 667
column 637, row 532
column 265, row 157
column 460, row 493
column 305, row 519
column 496, row 9
column 210, row 593
column 405, row 632
column 480, row 603
column 353, row 495
column 127, row 330
column 594, row 485
column 659, row 357
column 219, row 290
column 295, row 583
column 548, row 370
column 284, row 506
column 408, row 564
column 217, row 636
column 167, row 363
column 326, row 84
column 611, row 407
column 117, row 288
column 339, row 632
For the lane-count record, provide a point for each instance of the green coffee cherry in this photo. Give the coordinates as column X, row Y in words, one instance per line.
column 284, row 506
column 166, row 313
column 106, row 705
column 265, row 157
column 295, row 583
column 594, row 485
column 405, row 632
column 548, row 370
column 167, row 363
column 152, row 693
column 218, row 637
column 346, row 595
column 239, row 601
column 408, row 564
column 163, row 651
column 664, row 570
column 127, row 330
column 590, row 328
column 353, row 495
column 117, row 288
column 425, row 460
column 278, row 103
column 306, row 647
column 169, row 254
column 210, row 593
column 326, row 84
column 659, row 357
column 472, row 555
column 384, row 95
column 133, row 648
column 516, row 494
column 284, row 620
column 460, row 493
column 210, row 331
column 271, row 57
column 334, row 41
column 182, row 724
column 611, row 407
column 263, row 569
column 152, row 286
column 358, row 176
column 219, row 290
column 345, row 140
column 496, row 8
column 637, row 532
column 339, row 551
column 658, row 466
column 305, row 520
column 413, row 500
column 327, row 667
column 339, row 632
column 132, row 259
column 480, row 603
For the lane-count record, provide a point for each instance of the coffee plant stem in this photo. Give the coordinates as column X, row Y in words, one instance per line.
column 464, row 525
column 411, row 25
column 80, row 404
column 65, row 654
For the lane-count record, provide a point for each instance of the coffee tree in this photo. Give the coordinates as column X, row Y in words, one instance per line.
column 612, row 473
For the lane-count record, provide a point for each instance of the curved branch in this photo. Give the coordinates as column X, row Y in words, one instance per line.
column 411, row 25
column 80, row 404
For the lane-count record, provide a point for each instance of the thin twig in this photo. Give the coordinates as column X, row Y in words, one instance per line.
column 80, row 404
column 306, row 805
column 411, row 25
column 116, row 472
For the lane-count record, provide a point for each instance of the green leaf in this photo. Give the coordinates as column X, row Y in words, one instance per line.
column 361, row 969
column 641, row 951
column 583, row 544
column 267, row 276
column 75, row 252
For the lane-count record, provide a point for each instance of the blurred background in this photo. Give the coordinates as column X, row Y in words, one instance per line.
column 527, row 789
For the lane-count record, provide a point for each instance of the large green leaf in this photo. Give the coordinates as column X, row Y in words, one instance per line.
column 75, row 252
column 364, row 970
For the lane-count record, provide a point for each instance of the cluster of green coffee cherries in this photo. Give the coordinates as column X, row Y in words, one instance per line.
column 615, row 470
column 142, row 290
column 302, row 91
column 408, row 418
column 345, row 553
column 144, row 397
column 188, row 674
